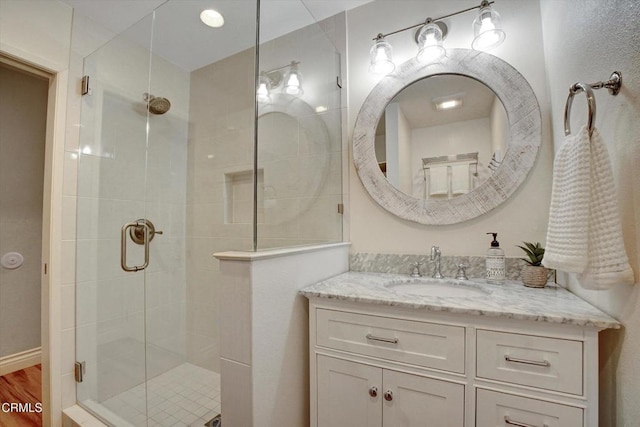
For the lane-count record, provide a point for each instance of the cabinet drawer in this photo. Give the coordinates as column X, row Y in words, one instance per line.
column 501, row 409
column 548, row 363
column 418, row 343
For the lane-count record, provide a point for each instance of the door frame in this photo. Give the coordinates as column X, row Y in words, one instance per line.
column 52, row 216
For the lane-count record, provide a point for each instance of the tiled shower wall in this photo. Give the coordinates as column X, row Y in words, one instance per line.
column 300, row 140
column 122, row 177
column 220, row 168
column 299, row 174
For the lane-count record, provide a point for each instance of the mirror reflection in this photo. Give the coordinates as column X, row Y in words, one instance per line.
column 441, row 136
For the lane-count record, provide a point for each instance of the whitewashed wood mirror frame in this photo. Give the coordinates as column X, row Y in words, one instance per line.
column 525, row 136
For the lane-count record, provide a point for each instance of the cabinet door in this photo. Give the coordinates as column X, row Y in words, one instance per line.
column 416, row 401
column 349, row 394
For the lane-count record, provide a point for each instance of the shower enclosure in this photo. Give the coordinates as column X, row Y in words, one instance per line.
column 188, row 146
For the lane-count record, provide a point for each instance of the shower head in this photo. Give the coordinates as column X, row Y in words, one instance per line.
column 156, row 104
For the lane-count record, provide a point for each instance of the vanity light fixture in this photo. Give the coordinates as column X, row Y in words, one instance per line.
column 212, row 18
column 293, row 84
column 264, row 87
column 486, row 29
column 380, row 54
column 273, row 79
column 429, row 37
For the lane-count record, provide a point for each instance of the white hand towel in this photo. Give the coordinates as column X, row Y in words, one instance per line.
column 460, row 179
column 438, row 180
column 584, row 234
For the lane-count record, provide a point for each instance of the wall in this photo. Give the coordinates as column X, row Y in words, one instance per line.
column 265, row 331
column 524, row 215
column 44, row 40
column 301, row 158
column 586, row 42
column 398, row 147
column 456, row 138
column 300, row 154
column 220, row 150
column 132, row 165
column 23, row 115
column 40, row 38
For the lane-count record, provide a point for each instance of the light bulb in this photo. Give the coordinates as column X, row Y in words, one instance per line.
column 430, row 44
column 380, row 54
column 263, row 92
column 264, row 88
column 293, row 85
column 486, row 30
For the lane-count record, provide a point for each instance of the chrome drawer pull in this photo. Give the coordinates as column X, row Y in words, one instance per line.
column 508, row 421
column 389, row 340
column 527, row 362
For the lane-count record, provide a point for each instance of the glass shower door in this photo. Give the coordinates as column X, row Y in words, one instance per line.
column 112, row 192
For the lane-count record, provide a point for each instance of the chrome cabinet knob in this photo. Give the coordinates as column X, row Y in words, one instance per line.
column 388, row 395
column 373, row 391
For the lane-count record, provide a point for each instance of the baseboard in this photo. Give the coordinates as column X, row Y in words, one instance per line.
column 24, row 359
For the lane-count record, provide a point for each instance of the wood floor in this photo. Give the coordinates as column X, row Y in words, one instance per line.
column 24, row 386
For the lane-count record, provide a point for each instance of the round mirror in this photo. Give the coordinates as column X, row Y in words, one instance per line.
column 427, row 173
column 441, row 137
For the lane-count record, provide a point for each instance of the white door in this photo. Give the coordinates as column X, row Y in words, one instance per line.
column 349, row 394
column 414, row 401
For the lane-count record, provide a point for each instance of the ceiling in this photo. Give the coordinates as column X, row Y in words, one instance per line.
column 181, row 38
column 418, row 107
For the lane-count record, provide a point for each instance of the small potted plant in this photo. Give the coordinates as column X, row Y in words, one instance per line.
column 534, row 274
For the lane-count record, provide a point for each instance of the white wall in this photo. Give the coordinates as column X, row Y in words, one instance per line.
column 41, row 38
column 499, row 130
column 524, row 216
column 455, row 138
column 265, row 332
column 586, row 41
column 44, row 40
column 392, row 117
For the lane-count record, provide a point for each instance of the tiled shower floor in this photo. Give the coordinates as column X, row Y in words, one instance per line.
column 186, row 395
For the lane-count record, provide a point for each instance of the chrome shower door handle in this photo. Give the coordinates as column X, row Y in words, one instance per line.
column 123, row 246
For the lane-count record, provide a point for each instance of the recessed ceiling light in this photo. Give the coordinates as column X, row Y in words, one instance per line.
column 212, row 18
column 447, row 105
column 448, row 102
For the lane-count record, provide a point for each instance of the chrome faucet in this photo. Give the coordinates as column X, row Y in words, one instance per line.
column 462, row 272
column 435, row 256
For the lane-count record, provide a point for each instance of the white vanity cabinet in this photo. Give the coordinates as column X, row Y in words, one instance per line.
column 375, row 365
column 356, row 394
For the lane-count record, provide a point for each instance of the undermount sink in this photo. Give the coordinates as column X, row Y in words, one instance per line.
column 446, row 288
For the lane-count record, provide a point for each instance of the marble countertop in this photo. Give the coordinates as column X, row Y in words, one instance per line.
column 551, row 304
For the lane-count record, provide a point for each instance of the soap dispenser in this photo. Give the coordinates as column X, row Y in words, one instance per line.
column 495, row 262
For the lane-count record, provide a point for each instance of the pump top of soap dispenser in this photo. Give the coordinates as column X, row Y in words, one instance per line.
column 495, row 243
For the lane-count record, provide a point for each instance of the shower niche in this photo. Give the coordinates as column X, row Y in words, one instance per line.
column 169, row 133
column 239, row 197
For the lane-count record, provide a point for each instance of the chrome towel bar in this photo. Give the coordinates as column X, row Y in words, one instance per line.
column 613, row 84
